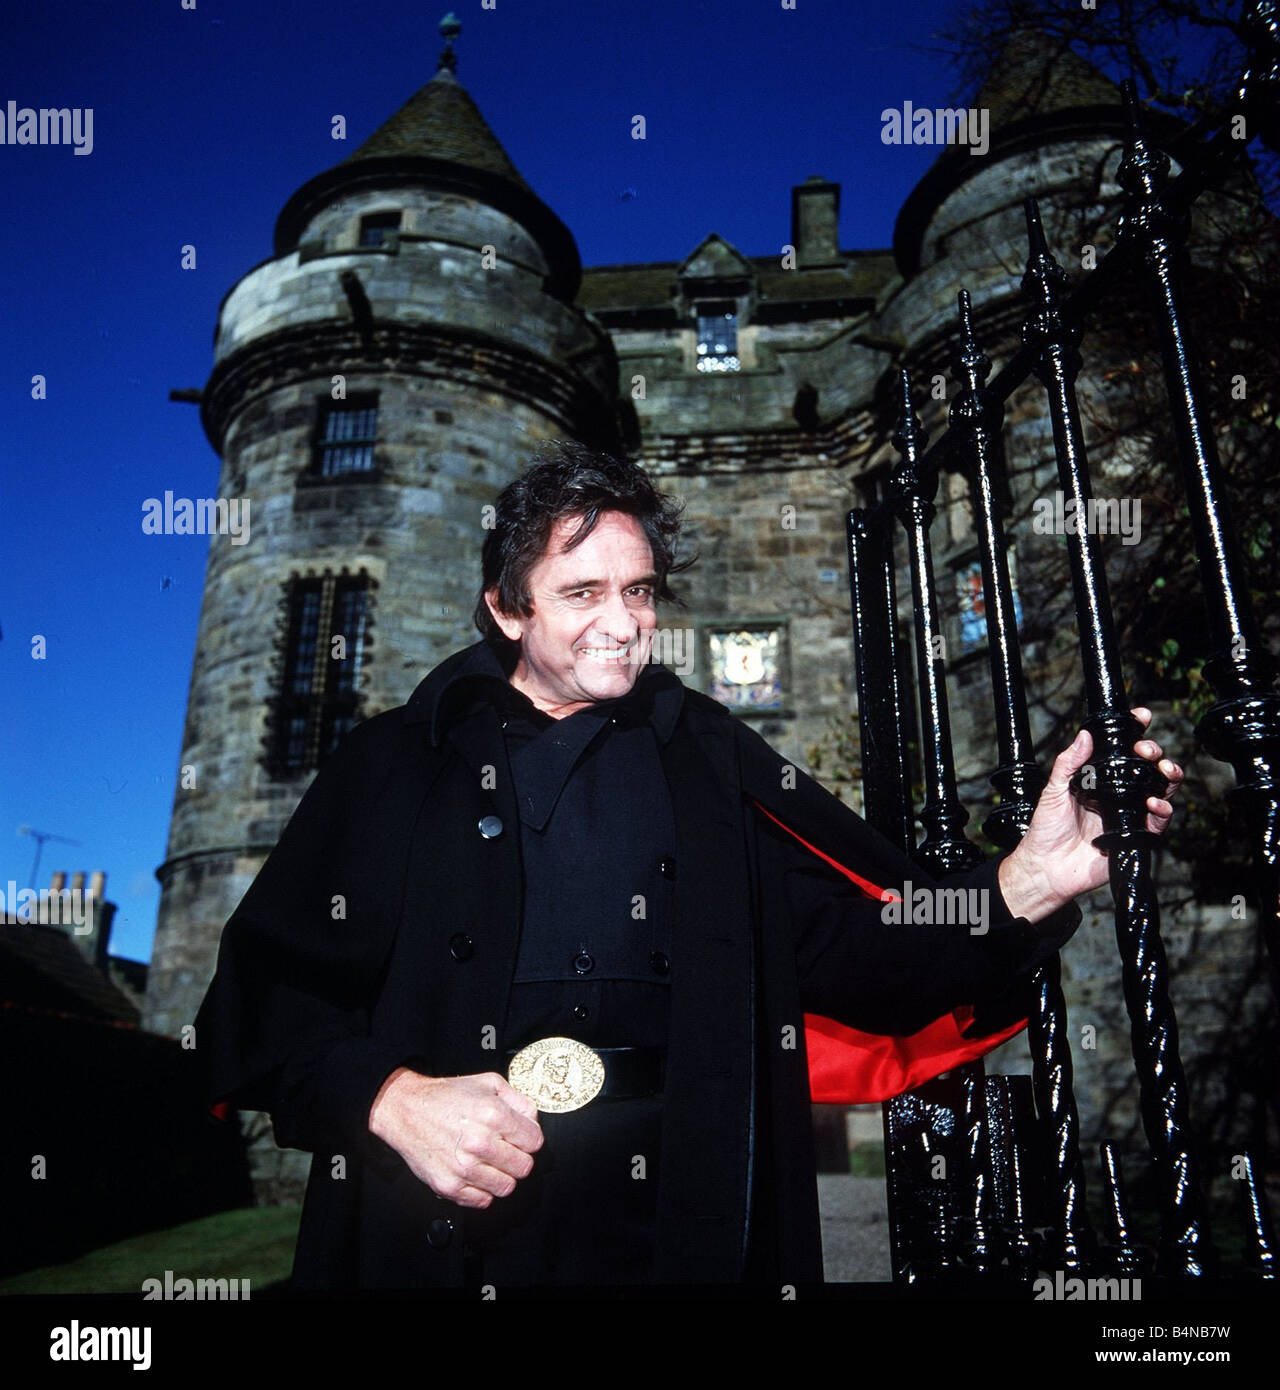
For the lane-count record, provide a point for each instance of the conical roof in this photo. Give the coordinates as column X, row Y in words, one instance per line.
column 1035, row 74
column 1036, row 90
column 440, row 121
column 438, row 139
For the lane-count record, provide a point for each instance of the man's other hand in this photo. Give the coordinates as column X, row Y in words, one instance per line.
column 469, row 1138
column 1057, row 859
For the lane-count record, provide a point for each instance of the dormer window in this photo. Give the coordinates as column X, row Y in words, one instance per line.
column 717, row 336
column 375, row 227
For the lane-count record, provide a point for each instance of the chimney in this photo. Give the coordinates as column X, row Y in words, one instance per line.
column 815, row 222
column 103, row 913
column 95, row 941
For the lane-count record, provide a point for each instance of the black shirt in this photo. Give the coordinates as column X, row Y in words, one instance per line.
column 597, row 840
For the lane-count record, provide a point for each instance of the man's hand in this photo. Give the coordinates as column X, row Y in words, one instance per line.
column 469, row 1138
column 1056, row 859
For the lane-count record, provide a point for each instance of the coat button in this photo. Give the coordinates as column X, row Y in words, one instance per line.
column 581, row 1011
column 661, row 964
column 461, row 946
column 583, row 963
column 439, row 1233
column 668, row 867
column 491, row 827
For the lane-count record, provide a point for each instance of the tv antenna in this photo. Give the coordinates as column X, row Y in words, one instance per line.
column 40, row 836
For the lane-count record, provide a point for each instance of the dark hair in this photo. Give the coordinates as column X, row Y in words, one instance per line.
column 566, row 479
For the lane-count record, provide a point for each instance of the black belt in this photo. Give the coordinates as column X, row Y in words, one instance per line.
column 629, row 1072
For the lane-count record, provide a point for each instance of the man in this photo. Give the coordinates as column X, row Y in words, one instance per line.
column 555, row 862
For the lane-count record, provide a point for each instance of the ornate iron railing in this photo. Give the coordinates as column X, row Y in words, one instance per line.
column 1011, row 1148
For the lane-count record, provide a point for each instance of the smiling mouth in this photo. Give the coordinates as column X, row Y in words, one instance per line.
column 604, row 653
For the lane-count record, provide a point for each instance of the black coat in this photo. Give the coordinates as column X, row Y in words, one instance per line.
column 382, row 931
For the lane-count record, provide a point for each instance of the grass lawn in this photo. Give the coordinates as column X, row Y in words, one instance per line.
column 254, row 1243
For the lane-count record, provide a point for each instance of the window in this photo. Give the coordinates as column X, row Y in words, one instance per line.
column 347, row 433
column 717, row 336
column 375, row 226
column 973, row 605
column 325, row 645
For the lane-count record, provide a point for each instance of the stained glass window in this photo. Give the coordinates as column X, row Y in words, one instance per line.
column 973, row 605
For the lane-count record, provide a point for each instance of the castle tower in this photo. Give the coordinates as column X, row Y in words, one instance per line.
column 375, row 383
column 1055, row 125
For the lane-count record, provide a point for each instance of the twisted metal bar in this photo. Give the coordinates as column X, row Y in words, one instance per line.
column 1011, row 1119
column 1124, row 1256
column 977, row 417
column 1243, row 727
column 944, row 848
column 1121, row 781
column 1053, row 1077
column 980, row 1252
column 1260, row 1241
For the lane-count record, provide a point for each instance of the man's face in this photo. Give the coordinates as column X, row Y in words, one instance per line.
column 593, row 616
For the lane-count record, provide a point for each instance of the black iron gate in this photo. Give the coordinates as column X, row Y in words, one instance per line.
column 1007, row 1197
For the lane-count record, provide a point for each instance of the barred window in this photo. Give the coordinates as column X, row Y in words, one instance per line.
column 374, row 227
column 326, row 642
column 717, row 337
column 347, row 433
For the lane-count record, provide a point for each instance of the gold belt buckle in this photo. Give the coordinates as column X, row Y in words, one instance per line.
column 557, row 1074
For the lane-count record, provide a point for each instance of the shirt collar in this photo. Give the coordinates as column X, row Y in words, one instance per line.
column 479, row 674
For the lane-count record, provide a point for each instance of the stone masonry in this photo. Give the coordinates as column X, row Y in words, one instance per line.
column 472, row 321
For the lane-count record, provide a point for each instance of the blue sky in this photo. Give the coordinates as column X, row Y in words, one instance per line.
column 205, row 121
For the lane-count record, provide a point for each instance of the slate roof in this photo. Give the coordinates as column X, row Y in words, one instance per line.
column 650, row 285
column 440, row 121
column 1037, row 88
column 1035, row 74
column 42, row 967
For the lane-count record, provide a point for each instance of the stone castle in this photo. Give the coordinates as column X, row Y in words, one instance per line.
column 424, row 321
